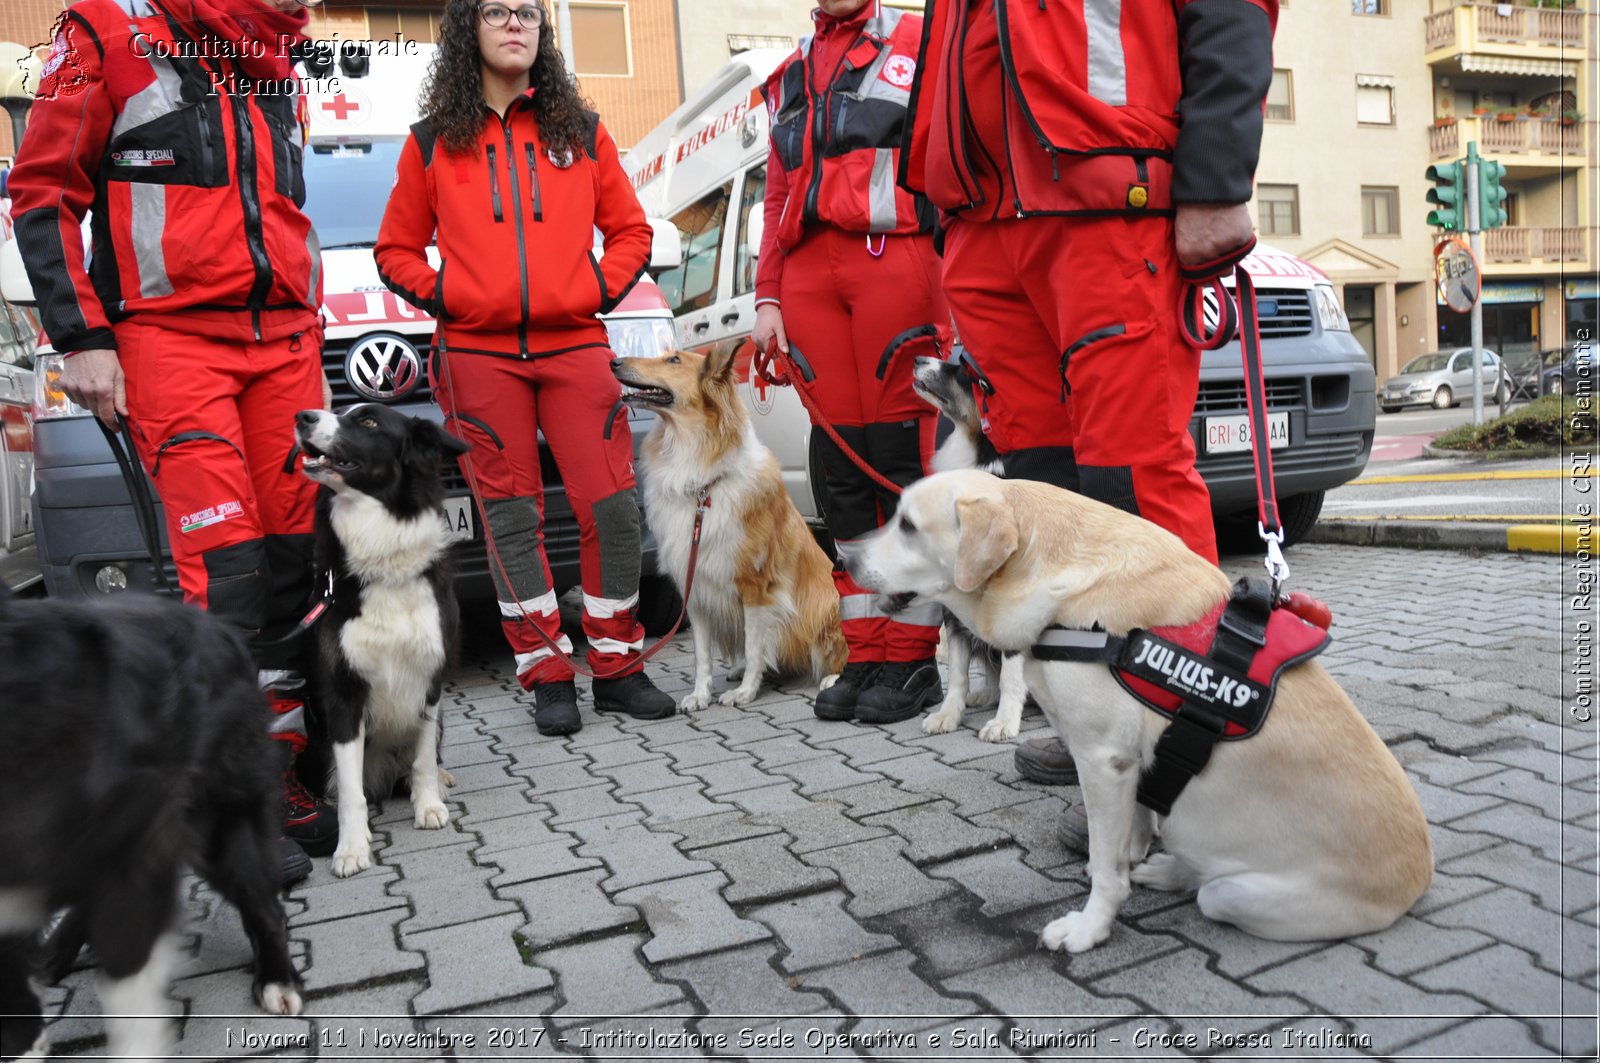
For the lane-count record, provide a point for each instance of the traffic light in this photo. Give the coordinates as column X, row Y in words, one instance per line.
column 1491, row 195
column 1448, row 195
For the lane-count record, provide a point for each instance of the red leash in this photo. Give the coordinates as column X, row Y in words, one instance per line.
column 702, row 503
column 1240, row 319
column 796, row 372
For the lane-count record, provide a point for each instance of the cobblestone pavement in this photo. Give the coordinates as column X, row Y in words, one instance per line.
column 759, row 883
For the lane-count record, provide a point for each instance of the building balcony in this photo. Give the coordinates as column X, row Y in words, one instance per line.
column 1539, row 143
column 1531, row 250
column 1473, row 36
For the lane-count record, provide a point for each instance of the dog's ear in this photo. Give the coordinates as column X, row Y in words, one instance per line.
column 720, row 362
column 428, row 436
column 988, row 538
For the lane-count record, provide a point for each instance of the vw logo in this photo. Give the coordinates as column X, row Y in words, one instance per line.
column 383, row 367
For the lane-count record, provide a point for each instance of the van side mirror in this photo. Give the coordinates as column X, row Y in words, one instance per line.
column 14, row 283
column 666, row 245
column 754, row 226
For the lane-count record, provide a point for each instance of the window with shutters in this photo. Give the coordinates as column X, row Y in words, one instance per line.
column 1374, row 99
column 600, row 41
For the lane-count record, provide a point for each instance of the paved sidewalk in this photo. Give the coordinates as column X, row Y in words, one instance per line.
column 785, row 887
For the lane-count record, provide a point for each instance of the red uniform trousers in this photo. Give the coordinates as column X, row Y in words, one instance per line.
column 1074, row 323
column 213, row 422
column 842, row 305
column 499, row 405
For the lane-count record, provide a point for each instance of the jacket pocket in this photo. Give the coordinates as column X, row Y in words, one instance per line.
column 182, row 146
column 604, row 303
column 288, row 160
column 438, row 309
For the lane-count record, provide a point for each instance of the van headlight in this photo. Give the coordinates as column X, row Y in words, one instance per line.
column 641, row 337
column 50, row 400
column 1329, row 312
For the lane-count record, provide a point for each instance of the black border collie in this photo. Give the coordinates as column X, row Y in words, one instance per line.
column 947, row 387
column 133, row 743
column 390, row 631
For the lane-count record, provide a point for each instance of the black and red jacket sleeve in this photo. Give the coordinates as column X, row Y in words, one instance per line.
column 407, row 230
column 769, row 266
column 52, row 189
column 621, row 221
column 1226, row 61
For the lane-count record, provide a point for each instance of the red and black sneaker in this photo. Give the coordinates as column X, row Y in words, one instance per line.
column 311, row 823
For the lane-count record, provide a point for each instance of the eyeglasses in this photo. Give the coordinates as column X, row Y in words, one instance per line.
column 497, row 15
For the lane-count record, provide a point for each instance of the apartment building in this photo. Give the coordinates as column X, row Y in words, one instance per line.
column 625, row 51
column 1351, row 129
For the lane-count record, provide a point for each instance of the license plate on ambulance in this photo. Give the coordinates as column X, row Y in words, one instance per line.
column 458, row 519
column 1225, row 435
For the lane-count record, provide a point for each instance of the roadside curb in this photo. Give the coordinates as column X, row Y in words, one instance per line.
column 1564, row 538
column 1431, row 451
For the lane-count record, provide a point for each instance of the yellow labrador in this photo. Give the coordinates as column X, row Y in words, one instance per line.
column 1307, row 830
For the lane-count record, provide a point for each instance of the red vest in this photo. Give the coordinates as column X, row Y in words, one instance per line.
column 1089, row 98
column 840, row 147
column 195, row 192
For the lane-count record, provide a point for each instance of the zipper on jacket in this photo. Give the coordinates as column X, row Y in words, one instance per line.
column 250, row 198
column 819, row 133
column 494, row 184
column 957, row 47
column 522, row 243
column 533, row 179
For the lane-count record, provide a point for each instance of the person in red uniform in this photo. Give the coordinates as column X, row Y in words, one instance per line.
column 846, row 267
column 174, row 121
column 515, row 173
column 1078, row 152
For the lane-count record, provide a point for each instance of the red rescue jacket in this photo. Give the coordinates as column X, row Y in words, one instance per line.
column 837, row 110
column 1088, row 108
column 195, row 184
column 517, row 272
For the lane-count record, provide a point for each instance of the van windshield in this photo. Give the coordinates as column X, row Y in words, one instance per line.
column 347, row 187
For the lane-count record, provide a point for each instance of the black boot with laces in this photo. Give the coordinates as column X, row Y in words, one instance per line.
column 556, row 708
column 901, row 691
column 838, row 702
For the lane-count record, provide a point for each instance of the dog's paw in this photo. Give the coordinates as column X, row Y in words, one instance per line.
column 1074, row 932
column 738, row 696
column 998, row 730
column 947, row 719
column 446, row 779
column 279, row 999
column 698, row 699
column 349, row 860
column 1161, row 871
column 827, row 681
column 432, row 816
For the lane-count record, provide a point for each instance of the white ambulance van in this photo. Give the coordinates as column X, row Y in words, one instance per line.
column 375, row 351
column 704, row 167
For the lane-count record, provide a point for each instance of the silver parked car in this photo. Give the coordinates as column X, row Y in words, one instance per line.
column 1442, row 379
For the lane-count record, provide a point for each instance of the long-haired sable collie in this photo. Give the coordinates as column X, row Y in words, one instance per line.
column 391, row 628
column 763, row 588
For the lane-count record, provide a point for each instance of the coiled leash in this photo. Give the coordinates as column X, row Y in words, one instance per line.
column 1239, row 319
column 702, row 503
column 790, row 368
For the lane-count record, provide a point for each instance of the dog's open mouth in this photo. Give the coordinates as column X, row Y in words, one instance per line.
column 315, row 460
column 645, row 395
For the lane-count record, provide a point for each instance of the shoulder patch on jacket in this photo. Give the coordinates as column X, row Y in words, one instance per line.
column 426, row 138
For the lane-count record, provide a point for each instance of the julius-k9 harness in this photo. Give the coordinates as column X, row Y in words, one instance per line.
column 1215, row 678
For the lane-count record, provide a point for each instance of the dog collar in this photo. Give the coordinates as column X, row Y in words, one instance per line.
column 1215, row 677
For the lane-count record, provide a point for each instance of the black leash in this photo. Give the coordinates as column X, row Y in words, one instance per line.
column 144, row 506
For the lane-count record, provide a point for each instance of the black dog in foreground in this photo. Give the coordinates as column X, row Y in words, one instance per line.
column 133, row 744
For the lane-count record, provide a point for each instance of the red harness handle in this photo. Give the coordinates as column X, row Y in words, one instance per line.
column 1239, row 319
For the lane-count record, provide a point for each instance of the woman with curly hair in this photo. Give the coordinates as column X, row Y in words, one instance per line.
column 515, row 173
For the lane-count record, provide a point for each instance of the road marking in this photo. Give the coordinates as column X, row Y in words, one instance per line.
column 1456, row 477
column 1547, row 538
column 1488, row 518
column 1427, row 500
